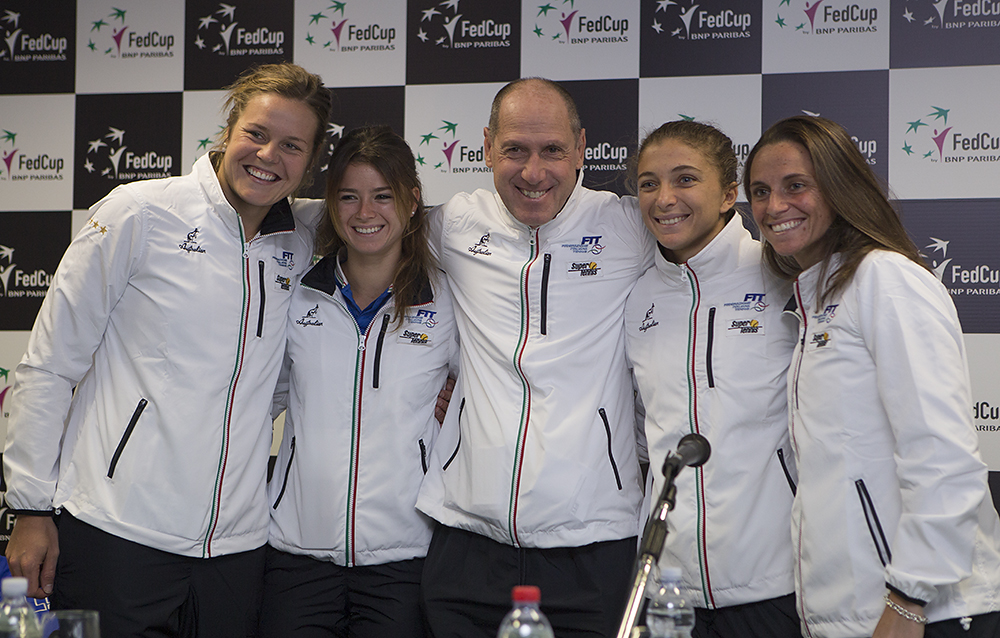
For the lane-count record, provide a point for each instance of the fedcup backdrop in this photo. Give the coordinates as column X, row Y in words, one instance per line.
column 101, row 92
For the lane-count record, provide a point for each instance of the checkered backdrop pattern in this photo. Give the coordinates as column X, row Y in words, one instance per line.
column 100, row 92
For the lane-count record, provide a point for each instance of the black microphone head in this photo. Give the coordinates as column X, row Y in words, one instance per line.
column 695, row 448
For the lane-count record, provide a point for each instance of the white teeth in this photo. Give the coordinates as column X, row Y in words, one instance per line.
column 267, row 177
column 367, row 230
column 532, row 194
column 669, row 221
column 785, row 225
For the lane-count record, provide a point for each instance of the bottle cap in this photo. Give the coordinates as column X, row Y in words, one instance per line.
column 14, row 586
column 526, row 594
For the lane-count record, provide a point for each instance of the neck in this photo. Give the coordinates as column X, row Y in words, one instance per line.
column 251, row 223
column 369, row 275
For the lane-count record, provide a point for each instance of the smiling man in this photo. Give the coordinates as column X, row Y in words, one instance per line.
column 535, row 478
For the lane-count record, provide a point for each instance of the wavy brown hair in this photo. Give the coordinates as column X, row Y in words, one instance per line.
column 863, row 217
column 390, row 155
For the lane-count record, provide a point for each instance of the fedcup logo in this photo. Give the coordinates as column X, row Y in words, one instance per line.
column 226, row 37
column 17, row 283
column 29, row 166
column 981, row 279
column 826, row 17
column 110, row 34
column 338, row 33
column 690, row 21
column 22, row 44
column 115, row 162
column 953, row 14
column 452, row 32
column 454, row 156
column 932, row 138
column 571, row 25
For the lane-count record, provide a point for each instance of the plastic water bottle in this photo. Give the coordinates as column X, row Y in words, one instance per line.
column 17, row 618
column 668, row 615
column 525, row 619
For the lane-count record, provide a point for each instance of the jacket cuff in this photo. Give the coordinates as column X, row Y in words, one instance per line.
column 33, row 512
column 909, row 599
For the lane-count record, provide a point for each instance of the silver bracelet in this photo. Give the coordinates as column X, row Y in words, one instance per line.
column 905, row 613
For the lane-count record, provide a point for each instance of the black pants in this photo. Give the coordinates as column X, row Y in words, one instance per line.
column 772, row 618
column 982, row 626
column 467, row 582
column 142, row 592
column 309, row 598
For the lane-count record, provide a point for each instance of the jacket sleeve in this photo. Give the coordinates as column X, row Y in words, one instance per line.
column 89, row 281
column 910, row 327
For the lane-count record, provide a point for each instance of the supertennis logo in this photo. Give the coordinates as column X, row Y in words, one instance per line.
column 935, row 138
column 111, row 35
column 331, row 29
column 222, row 33
column 25, row 44
column 825, row 17
column 579, row 25
column 691, row 21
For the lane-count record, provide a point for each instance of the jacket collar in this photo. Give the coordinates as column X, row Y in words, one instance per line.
column 327, row 272
column 720, row 258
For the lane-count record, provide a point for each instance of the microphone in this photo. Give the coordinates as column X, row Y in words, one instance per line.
column 692, row 451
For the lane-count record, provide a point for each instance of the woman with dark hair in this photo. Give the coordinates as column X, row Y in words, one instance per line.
column 893, row 527
column 138, row 442
column 709, row 349
column 370, row 341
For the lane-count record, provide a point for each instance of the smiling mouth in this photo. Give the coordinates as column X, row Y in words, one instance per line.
column 532, row 194
column 261, row 175
column 670, row 221
column 368, row 230
column 783, row 226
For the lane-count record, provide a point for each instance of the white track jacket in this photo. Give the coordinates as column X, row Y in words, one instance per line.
column 171, row 326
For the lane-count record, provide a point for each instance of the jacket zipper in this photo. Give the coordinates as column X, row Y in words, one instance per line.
column 423, row 455
column 791, row 428
column 874, row 526
column 125, row 437
column 708, row 346
column 263, row 296
column 378, row 350
column 213, row 522
column 611, row 453
column 522, row 434
column 784, row 468
column 458, row 446
column 546, row 264
column 288, row 470
column 355, row 465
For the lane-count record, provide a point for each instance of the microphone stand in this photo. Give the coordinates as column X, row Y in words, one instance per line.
column 653, row 538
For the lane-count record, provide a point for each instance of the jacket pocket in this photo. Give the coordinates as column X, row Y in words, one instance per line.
column 288, row 470
column 546, row 266
column 378, row 350
column 458, row 446
column 611, row 453
column 423, row 455
column 708, row 347
column 125, row 437
column 874, row 526
column 263, row 298
column 784, row 468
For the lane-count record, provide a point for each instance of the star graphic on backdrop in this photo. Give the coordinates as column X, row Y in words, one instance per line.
column 800, row 27
column 438, row 165
column 335, row 129
column 430, row 13
column 426, row 139
column 218, row 47
column 788, row 2
column 9, row 136
column 661, row 5
column 106, row 171
column 116, row 134
column 227, row 10
column 198, row 42
column 204, row 142
column 538, row 31
column 449, row 127
column 687, row 118
column 929, row 20
column 657, row 27
column 570, row 3
column 91, row 45
column 439, row 40
column 780, row 22
column 207, row 20
column 88, row 166
column 908, row 149
column 97, row 24
column 107, row 51
column 928, row 153
column 908, row 16
column 117, row 14
column 310, row 39
column 675, row 32
column 338, row 6
column 328, row 43
column 939, row 113
column 11, row 17
column 545, row 8
column 316, row 17
column 450, row 4
column 422, row 35
column 420, row 160
column 939, row 244
column 555, row 37
column 914, row 126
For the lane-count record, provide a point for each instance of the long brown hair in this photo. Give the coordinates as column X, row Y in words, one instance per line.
column 863, row 218
column 390, row 155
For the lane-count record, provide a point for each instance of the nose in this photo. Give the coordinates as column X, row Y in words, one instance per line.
column 776, row 202
column 268, row 152
column 365, row 210
column 534, row 169
column 665, row 197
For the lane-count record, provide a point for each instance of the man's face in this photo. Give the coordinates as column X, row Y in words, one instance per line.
column 534, row 154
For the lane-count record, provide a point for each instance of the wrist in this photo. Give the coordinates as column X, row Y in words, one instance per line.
column 909, row 610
